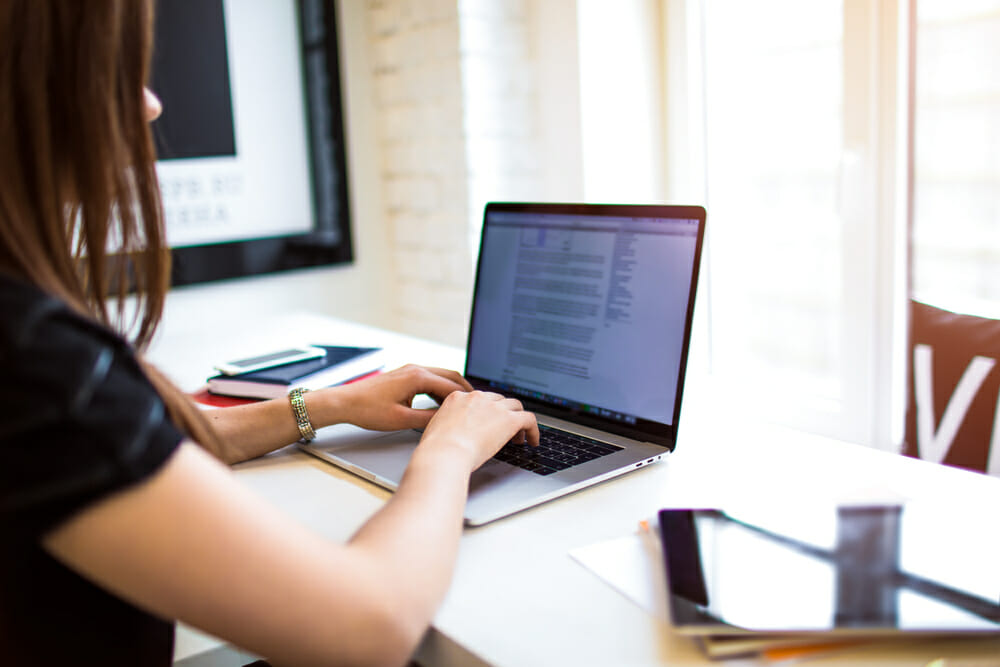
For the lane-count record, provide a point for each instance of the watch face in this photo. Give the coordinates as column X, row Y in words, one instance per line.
column 923, row 568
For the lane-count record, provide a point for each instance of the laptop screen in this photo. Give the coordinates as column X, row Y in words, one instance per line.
column 585, row 310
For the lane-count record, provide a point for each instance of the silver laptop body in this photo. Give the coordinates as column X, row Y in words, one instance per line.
column 583, row 312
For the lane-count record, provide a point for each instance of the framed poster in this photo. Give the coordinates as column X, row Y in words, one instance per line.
column 252, row 163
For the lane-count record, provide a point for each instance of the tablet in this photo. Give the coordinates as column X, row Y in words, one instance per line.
column 858, row 570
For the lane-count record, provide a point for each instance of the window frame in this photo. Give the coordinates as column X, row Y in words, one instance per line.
column 875, row 184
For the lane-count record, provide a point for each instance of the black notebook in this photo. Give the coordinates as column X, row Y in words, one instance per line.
column 339, row 365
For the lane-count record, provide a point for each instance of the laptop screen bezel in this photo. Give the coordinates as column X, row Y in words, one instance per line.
column 644, row 430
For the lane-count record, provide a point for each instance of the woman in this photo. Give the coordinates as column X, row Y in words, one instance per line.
column 116, row 517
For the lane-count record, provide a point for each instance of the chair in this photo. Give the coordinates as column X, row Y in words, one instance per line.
column 954, row 386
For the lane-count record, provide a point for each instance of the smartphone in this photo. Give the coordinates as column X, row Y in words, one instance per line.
column 270, row 360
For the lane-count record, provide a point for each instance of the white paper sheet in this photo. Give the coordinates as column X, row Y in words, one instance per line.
column 633, row 566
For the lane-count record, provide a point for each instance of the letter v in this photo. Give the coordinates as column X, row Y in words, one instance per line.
column 933, row 446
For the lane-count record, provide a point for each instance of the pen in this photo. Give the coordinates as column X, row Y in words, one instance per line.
column 788, row 652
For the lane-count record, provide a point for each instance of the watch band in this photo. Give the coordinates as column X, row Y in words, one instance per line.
column 301, row 415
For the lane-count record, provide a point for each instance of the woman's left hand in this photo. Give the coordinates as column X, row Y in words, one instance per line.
column 385, row 402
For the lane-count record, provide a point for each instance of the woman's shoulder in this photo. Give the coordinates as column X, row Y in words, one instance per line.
column 58, row 362
column 78, row 416
column 49, row 348
column 30, row 318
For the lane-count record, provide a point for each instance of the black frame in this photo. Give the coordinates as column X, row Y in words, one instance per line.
column 330, row 241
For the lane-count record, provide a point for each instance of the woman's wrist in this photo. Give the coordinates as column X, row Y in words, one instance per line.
column 445, row 449
column 326, row 406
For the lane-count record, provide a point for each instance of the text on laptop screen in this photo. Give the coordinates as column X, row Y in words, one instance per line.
column 586, row 312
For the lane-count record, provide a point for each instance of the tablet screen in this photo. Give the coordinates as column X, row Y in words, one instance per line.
column 863, row 569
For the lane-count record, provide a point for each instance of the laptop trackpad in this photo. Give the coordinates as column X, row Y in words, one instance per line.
column 494, row 474
column 497, row 489
column 495, row 484
column 385, row 456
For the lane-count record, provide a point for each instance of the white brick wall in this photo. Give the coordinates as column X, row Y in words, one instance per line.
column 499, row 74
column 416, row 74
column 456, row 114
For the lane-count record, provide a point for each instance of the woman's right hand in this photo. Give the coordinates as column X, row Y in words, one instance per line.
column 477, row 424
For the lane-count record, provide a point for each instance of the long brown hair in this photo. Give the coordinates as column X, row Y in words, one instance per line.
column 80, row 211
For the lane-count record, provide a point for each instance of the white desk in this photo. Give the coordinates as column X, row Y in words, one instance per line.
column 517, row 598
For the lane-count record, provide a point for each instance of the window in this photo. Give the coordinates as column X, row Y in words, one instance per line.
column 956, row 228
column 795, row 107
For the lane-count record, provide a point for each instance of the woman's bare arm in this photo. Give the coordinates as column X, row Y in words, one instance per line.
column 381, row 403
column 193, row 544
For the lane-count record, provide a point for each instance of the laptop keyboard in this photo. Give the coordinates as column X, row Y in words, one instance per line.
column 557, row 450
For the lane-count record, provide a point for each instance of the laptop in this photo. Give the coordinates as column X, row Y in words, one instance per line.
column 582, row 312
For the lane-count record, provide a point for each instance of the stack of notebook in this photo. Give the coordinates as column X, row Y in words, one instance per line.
column 806, row 578
column 340, row 364
column 802, row 579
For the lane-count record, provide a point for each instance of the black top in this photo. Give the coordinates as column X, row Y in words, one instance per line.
column 78, row 421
